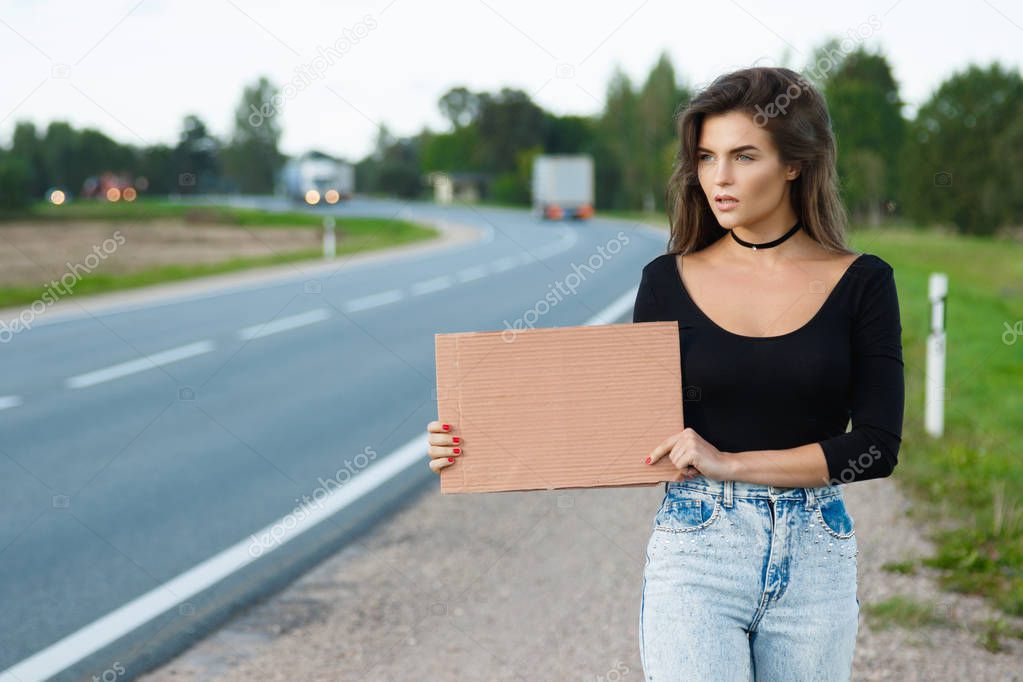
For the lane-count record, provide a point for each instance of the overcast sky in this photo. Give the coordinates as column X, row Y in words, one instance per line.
column 134, row 69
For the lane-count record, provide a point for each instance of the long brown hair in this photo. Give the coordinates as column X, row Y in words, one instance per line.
column 796, row 116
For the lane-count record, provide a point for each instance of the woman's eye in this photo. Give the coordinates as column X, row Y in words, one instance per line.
column 702, row 157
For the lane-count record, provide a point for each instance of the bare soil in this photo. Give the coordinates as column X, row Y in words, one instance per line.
column 33, row 253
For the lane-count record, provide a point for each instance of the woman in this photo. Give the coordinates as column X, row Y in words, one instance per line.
column 785, row 334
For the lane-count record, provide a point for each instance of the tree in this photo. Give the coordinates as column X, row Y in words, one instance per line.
column 26, row 145
column 866, row 115
column 14, row 181
column 957, row 171
column 507, row 123
column 196, row 158
column 460, row 106
column 252, row 157
column 657, row 104
column 568, row 134
column 623, row 179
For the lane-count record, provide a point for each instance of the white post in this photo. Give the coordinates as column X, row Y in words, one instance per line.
column 329, row 244
column 934, row 399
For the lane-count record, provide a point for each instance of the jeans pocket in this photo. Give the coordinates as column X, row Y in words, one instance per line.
column 684, row 510
column 835, row 518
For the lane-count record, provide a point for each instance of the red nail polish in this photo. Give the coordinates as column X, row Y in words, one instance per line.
column 446, row 427
column 451, row 459
column 457, row 450
column 648, row 460
column 456, row 439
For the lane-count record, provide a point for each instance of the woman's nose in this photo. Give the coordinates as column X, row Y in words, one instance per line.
column 723, row 174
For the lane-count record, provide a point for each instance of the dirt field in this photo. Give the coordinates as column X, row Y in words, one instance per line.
column 33, row 253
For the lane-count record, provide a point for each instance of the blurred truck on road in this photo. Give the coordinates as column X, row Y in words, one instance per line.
column 316, row 178
column 563, row 186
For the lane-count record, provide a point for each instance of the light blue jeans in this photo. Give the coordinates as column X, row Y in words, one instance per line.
column 749, row 582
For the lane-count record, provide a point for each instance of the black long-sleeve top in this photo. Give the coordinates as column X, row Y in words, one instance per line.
column 777, row 392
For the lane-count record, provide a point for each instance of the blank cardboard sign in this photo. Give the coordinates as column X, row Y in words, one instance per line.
column 564, row 407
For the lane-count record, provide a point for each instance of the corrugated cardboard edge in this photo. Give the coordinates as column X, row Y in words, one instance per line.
column 448, row 411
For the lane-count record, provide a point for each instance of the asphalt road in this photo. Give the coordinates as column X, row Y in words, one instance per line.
column 138, row 443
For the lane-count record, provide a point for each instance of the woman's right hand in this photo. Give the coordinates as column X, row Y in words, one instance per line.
column 444, row 447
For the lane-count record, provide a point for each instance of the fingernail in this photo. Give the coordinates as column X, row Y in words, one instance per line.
column 451, row 459
column 447, row 427
column 456, row 439
column 648, row 460
column 457, row 450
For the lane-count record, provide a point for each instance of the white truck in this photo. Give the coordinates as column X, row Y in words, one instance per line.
column 563, row 186
column 317, row 178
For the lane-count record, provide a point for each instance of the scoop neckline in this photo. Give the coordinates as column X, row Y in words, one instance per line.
column 685, row 291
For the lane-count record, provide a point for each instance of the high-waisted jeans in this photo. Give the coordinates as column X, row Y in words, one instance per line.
column 749, row 582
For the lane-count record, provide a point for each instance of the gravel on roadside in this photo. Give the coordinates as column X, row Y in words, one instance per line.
column 545, row 585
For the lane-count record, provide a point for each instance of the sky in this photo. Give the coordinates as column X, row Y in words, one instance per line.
column 134, row 69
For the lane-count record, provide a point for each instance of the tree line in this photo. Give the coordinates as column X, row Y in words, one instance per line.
column 952, row 162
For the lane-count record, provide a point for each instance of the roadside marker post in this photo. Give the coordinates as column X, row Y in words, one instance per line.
column 934, row 399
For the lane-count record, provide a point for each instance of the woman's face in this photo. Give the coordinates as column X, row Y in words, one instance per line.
column 736, row 157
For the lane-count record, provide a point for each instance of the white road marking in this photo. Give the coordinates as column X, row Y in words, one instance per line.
column 9, row 401
column 140, row 365
column 623, row 304
column 285, row 323
column 374, row 300
column 432, row 285
column 506, row 263
column 469, row 274
column 123, row 620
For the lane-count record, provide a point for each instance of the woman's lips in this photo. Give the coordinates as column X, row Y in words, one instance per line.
column 726, row 204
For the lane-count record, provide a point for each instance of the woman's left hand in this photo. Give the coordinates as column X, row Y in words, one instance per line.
column 691, row 454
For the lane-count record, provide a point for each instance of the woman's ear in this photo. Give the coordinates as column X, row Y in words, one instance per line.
column 792, row 171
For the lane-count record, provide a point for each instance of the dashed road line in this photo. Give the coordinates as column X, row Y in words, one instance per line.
column 374, row 300
column 469, row 274
column 139, row 365
column 284, row 324
column 9, row 401
column 432, row 285
column 311, row 317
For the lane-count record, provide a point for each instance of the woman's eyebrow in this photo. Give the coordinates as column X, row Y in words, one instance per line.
column 731, row 151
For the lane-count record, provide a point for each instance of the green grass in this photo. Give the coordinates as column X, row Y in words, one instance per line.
column 354, row 234
column 902, row 567
column 967, row 486
column 993, row 631
column 905, row 612
column 153, row 209
column 913, row 614
column 971, row 479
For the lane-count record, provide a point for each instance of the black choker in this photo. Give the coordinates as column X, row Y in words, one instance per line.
column 766, row 245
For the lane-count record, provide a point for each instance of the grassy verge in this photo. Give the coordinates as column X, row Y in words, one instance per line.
column 354, row 234
column 968, row 485
column 157, row 209
column 970, row 481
